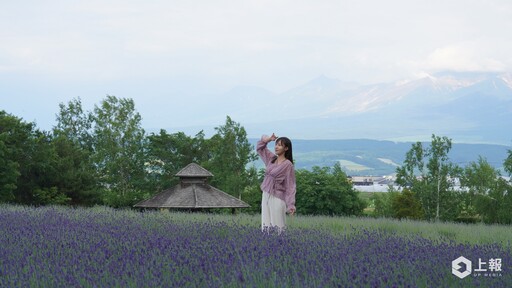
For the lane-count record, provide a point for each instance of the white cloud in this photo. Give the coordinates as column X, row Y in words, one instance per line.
column 365, row 41
column 133, row 45
column 462, row 57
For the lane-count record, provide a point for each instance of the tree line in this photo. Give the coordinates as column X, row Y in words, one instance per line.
column 104, row 157
column 435, row 189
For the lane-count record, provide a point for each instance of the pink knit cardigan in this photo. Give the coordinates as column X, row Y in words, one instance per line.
column 279, row 178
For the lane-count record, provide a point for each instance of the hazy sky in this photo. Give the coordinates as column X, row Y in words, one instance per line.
column 163, row 52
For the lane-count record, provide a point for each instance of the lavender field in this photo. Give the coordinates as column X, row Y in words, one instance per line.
column 103, row 247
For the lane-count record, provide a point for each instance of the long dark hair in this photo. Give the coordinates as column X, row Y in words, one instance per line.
column 288, row 154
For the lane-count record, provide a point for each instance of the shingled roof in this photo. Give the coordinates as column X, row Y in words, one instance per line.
column 194, row 170
column 193, row 191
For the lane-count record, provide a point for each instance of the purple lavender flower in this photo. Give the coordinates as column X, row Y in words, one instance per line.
column 64, row 247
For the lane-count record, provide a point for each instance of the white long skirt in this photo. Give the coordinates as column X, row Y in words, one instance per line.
column 273, row 212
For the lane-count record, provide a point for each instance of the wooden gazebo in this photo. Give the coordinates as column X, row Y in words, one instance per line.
column 193, row 192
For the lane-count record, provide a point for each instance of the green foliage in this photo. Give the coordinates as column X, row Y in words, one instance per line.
column 50, row 196
column 427, row 172
column 31, row 170
column 507, row 164
column 75, row 124
column 252, row 193
column 383, row 203
column 18, row 145
column 405, row 205
column 480, row 179
column 494, row 206
column 252, row 196
column 9, row 166
column 115, row 199
column 73, row 140
column 326, row 191
column 105, row 157
column 77, row 176
column 8, row 172
column 229, row 154
column 169, row 153
column 119, row 148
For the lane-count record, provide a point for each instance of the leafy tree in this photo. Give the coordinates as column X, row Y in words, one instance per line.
column 9, row 166
column 405, row 205
column 76, row 176
column 383, row 203
column 504, row 191
column 507, row 164
column 252, row 193
column 29, row 174
column 488, row 193
column 39, row 179
column 229, row 154
column 169, row 153
column 479, row 179
column 20, row 146
column 75, row 124
column 8, row 172
column 433, row 186
column 46, row 196
column 495, row 205
column 119, row 154
column 73, row 142
column 326, row 191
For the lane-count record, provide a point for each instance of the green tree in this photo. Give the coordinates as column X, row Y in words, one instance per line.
column 75, row 124
column 119, row 150
column 326, row 191
column 428, row 173
column 76, row 177
column 479, row 179
column 383, row 203
column 507, row 164
column 29, row 171
column 229, row 154
column 9, row 166
column 73, row 140
column 252, row 193
column 169, row 153
column 405, row 205
column 495, row 205
column 41, row 185
column 488, row 193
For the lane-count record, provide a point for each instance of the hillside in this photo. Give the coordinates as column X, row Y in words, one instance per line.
column 375, row 157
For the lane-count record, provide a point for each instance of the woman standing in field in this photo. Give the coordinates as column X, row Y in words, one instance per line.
column 279, row 183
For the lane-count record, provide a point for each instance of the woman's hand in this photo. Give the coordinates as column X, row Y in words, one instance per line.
column 272, row 138
column 291, row 211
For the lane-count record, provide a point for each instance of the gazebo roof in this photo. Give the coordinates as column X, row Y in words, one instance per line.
column 194, row 170
column 192, row 192
column 192, row 196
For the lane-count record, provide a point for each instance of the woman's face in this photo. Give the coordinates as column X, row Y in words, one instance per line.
column 280, row 148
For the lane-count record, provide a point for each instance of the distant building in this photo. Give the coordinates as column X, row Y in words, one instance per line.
column 366, row 180
column 193, row 192
column 373, row 183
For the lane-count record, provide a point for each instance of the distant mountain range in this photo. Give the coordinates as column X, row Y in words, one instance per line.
column 466, row 107
column 473, row 109
column 379, row 158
